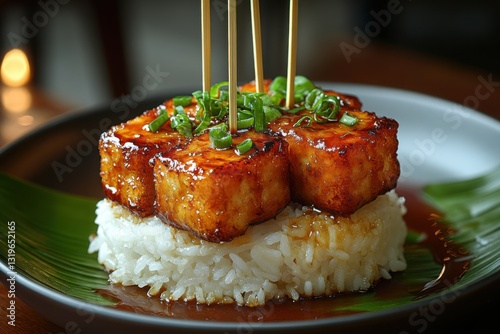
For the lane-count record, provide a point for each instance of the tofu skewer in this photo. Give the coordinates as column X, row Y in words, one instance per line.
column 292, row 53
column 205, row 45
column 218, row 193
column 232, row 65
column 257, row 46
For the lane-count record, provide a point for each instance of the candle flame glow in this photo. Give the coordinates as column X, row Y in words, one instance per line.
column 15, row 68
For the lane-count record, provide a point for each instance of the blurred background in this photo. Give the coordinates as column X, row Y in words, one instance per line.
column 81, row 54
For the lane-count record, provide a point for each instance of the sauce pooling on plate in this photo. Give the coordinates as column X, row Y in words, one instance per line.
column 420, row 218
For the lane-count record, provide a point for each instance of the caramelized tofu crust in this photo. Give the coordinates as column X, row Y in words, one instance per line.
column 339, row 168
column 126, row 169
column 217, row 194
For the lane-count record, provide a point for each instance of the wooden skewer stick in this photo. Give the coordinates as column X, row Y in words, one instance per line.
column 205, row 45
column 292, row 53
column 232, row 67
column 257, row 46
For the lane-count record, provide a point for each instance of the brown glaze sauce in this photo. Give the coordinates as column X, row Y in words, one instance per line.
column 419, row 218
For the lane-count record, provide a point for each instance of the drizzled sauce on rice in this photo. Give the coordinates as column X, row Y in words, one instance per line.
column 420, row 218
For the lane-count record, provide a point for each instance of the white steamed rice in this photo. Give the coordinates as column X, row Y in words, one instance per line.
column 298, row 254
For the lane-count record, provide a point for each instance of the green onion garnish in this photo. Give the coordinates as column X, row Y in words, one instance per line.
column 220, row 138
column 215, row 90
column 181, row 122
column 245, row 119
column 313, row 99
column 255, row 110
column 296, row 110
column 158, row 121
column 183, row 101
column 205, row 122
column 306, row 118
column 302, row 87
column 255, row 104
column 348, row 119
column 271, row 114
column 325, row 107
column 278, row 85
column 277, row 89
column 244, row 146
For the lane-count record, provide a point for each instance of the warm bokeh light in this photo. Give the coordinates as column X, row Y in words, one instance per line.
column 16, row 100
column 15, row 69
column 26, row 120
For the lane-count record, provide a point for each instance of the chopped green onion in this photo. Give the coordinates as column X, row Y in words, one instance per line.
column 220, row 138
column 335, row 100
column 203, row 99
column 271, row 114
column 245, row 123
column 277, row 88
column 197, row 95
column 266, row 99
column 276, row 98
column 244, row 146
column 202, row 126
column 258, row 113
column 182, row 101
column 302, row 87
column 325, row 111
column 242, row 100
column 158, row 121
column 245, row 119
column 306, row 118
column 215, row 90
column 314, row 99
column 319, row 118
column 181, row 122
column 295, row 110
column 255, row 110
column 219, row 109
column 224, row 96
column 348, row 119
column 278, row 85
column 205, row 122
column 179, row 110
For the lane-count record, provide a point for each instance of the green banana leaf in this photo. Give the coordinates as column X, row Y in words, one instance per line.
column 51, row 232
column 52, row 229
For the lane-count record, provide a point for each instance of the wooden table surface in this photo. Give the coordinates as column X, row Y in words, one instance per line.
column 382, row 66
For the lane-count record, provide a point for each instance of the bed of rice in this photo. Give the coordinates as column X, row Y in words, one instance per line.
column 301, row 253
